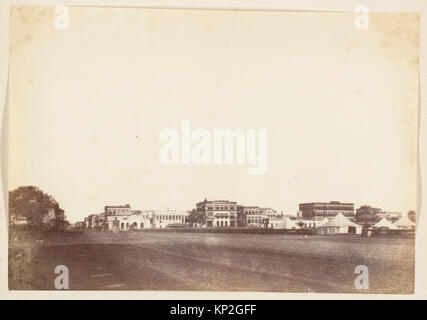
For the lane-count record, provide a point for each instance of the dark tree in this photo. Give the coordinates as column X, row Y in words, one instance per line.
column 31, row 202
column 196, row 218
column 412, row 215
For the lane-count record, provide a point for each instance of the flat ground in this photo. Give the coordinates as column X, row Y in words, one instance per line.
column 228, row 262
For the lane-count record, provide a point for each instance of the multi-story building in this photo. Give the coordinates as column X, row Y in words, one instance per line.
column 274, row 219
column 128, row 222
column 164, row 219
column 123, row 218
column 270, row 213
column 96, row 221
column 254, row 216
column 117, row 210
column 218, row 213
column 367, row 215
column 320, row 210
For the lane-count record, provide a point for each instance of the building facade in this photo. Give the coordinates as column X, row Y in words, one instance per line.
column 367, row 215
column 320, row 210
column 128, row 222
column 169, row 218
column 95, row 221
column 122, row 218
column 218, row 213
column 275, row 220
column 117, row 210
column 254, row 216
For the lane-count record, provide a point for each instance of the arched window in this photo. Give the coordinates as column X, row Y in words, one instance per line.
column 142, row 225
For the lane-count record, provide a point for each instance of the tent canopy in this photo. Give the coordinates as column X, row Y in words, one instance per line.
column 291, row 224
column 341, row 221
column 404, row 222
column 323, row 222
column 385, row 223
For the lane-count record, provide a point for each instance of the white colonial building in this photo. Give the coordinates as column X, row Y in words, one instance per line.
column 122, row 218
column 128, row 222
column 163, row 219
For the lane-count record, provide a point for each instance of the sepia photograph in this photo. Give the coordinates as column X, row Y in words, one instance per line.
column 212, row 150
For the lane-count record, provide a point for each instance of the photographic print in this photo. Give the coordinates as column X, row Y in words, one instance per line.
column 212, row 150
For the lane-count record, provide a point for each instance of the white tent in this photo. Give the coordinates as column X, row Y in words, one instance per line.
column 322, row 222
column 384, row 223
column 404, row 223
column 339, row 224
column 290, row 224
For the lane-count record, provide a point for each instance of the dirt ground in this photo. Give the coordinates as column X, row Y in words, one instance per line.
column 215, row 262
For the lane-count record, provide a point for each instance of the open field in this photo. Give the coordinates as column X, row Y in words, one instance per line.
column 229, row 262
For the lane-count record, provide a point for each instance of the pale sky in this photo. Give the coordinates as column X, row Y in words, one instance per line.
column 87, row 105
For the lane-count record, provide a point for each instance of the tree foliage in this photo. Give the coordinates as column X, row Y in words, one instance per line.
column 31, row 202
column 195, row 217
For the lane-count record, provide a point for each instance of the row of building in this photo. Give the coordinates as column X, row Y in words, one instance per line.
column 214, row 213
column 365, row 215
column 230, row 214
column 223, row 213
column 122, row 217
